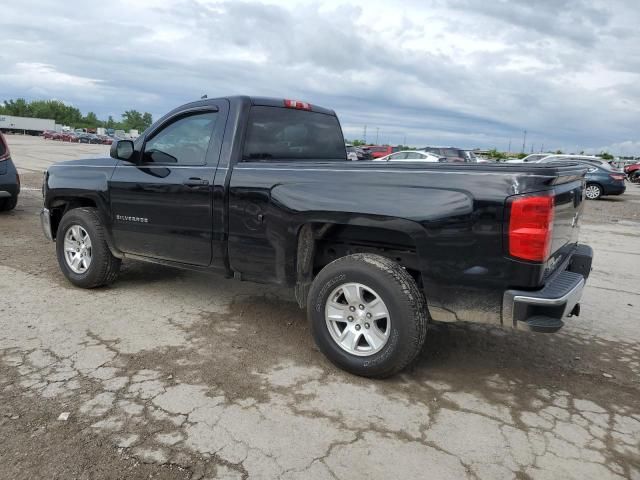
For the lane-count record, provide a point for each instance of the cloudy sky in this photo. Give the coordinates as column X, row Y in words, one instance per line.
column 472, row 73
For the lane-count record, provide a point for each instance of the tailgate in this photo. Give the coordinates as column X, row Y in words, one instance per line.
column 569, row 204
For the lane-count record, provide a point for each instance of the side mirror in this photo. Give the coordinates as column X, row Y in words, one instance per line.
column 122, row 149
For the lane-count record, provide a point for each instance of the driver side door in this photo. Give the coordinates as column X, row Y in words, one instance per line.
column 161, row 205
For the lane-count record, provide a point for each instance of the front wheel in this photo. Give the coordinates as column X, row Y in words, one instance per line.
column 593, row 191
column 83, row 254
column 367, row 315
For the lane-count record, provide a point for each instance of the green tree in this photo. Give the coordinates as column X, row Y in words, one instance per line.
column 133, row 119
column 147, row 120
column 558, row 152
column 494, row 153
column 606, row 156
column 72, row 116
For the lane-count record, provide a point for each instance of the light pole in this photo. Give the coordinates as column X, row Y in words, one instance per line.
column 524, row 140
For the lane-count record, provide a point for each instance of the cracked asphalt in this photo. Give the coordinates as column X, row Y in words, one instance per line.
column 173, row 374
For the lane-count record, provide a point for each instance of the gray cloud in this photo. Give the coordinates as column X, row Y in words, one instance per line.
column 462, row 72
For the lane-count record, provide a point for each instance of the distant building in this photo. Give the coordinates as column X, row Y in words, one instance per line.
column 25, row 125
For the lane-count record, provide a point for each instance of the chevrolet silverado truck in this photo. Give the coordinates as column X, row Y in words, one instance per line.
column 260, row 189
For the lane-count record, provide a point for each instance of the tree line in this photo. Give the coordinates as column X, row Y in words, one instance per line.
column 69, row 115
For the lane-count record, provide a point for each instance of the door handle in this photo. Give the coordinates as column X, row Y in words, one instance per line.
column 195, row 182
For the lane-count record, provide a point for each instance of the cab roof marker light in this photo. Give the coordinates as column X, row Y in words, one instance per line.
column 297, row 104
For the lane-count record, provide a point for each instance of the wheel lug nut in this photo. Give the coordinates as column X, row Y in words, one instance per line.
column 361, row 307
column 350, row 318
column 366, row 325
column 357, row 327
column 353, row 309
column 368, row 315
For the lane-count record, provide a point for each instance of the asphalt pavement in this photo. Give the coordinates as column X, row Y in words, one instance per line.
column 175, row 374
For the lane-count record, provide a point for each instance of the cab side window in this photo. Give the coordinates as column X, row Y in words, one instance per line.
column 182, row 142
column 398, row 156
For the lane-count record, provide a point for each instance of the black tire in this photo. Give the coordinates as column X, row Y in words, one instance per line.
column 404, row 301
column 7, row 204
column 104, row 267
column 635, row 177
column 595, row 187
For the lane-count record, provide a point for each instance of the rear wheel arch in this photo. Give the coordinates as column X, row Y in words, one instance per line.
column 320, row 243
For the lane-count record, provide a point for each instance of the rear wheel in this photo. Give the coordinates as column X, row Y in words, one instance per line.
column 83, row 254
column 593, row 191
column 367, row 315
column 635, row 177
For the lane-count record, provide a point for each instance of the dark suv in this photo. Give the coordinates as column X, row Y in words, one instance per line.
column 452, row 154
column 9, row 179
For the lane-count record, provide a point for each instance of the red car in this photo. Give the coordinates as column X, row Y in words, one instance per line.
column 69, row 137
column 633, row 172
column 48, row 134
column 379, row 151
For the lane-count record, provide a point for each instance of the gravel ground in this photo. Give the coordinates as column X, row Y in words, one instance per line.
column 173, row 374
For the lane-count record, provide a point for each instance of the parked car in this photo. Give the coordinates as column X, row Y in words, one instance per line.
column 602, row 179
column 411, row 156
column 633, row 172
column 9, row 178
column 106, row 139
column 452, row 154
column 534, row 157
column 352, row 153
column 48, row 134
column 378, row 151
column 373, row 254
column 70, row 137
column 363, row 154
column 470, row 156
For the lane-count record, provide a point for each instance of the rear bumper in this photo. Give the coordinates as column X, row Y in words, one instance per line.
column 615, row 189
column 544, row 310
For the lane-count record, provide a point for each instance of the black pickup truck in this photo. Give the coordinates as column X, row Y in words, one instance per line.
column 260, row 189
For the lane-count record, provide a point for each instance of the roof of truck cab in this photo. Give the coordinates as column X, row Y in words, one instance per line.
column 258, row 101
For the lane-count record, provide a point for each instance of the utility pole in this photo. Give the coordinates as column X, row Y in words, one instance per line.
column 364, row 137
column 404, row 143
column 542, row 148
column 524, row 140
column 509, row 151
column 377, row 132
column 532, row 148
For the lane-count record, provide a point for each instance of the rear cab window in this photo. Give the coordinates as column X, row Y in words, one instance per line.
column 278, row 133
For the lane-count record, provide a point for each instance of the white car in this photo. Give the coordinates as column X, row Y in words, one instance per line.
column 411, row 156
column 352, row 153
column 534, row 157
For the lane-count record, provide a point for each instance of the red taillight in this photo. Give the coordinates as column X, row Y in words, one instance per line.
column 531, row 227
column 297, row 104
column 617, row 176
